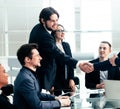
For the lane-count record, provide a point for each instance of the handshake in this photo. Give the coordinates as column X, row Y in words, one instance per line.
column 89, row 67
column 64, row 100
column 86, row 67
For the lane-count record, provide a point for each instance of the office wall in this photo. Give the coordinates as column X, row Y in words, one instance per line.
column 116, row 24
column 19, row 16
column 17, row 19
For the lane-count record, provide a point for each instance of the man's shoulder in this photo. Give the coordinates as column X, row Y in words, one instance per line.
column 38, row 29
column 37, row 26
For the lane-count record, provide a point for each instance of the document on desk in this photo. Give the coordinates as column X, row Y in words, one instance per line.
column 66, row 107
column 95, row 91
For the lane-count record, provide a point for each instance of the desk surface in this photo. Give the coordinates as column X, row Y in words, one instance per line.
column 91, row 103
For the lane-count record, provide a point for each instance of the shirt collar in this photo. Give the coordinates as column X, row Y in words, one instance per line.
column 33, row 72
column 47, row 30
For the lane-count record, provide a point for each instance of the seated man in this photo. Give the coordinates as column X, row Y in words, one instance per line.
column 27, row 91
column 94, row 80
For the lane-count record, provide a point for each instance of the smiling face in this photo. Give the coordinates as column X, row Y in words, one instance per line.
column 59, row 34
column 104, row 50
column 52, row 23
column 3, row 76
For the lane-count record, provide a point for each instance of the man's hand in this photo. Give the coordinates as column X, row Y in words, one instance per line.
column 64, row 100
column 72, row 85
column 52, row 90
column 100, row 86
column 112, row 60
column 86, row 67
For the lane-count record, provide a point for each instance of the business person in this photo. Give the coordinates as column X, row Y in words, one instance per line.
column 64, row 80
column 27, row 91
column 94, row 80
column 41, row 34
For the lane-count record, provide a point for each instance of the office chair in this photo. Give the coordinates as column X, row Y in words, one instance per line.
column 77, row 82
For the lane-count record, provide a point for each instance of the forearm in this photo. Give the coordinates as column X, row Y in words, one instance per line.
column 102, row 65
column 51, row 104
column 46, row 97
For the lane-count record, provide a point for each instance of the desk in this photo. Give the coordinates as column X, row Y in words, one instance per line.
column 90, row 103
column 78, row 103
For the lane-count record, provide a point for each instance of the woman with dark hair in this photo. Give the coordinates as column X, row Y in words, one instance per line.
column 64, row 80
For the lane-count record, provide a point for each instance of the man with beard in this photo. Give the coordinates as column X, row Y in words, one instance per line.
column 41, row 34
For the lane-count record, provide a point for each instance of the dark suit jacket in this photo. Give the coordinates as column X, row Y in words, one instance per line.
column 49, row 52
column 60, row 79
column 4, row 103
column 93, row 78
column 106, row 64
column 27, row 93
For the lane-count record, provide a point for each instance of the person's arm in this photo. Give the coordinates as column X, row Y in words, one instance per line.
column 105, row 65
column 30, row 95
column 52, row 51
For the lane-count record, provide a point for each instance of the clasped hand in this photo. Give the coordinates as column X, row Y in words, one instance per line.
column 112, row 59
column 86, row 67
column 64, row 100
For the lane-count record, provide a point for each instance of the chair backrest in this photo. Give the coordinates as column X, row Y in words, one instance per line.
column 83, row 56
column 13, row 63
column 77, row 82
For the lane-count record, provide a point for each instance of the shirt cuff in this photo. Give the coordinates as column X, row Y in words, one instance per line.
column 77, row 65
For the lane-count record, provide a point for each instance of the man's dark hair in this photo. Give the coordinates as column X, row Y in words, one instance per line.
column 106, row 42
column 25, row 51
column 46, row 13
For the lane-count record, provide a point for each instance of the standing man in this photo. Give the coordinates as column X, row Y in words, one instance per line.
column 27, row 91
column 41, row 34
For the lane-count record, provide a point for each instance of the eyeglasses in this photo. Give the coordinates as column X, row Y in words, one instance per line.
column 62, row 31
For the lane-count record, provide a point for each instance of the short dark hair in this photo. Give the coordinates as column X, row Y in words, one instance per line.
column 106, row 42
column 25, row 51
column 46, row 13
